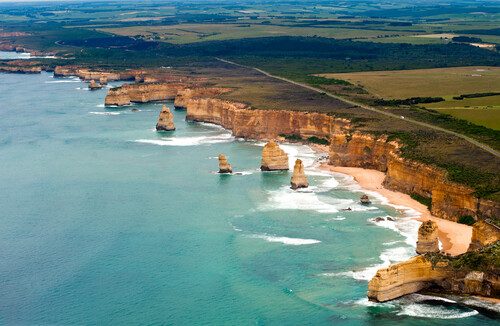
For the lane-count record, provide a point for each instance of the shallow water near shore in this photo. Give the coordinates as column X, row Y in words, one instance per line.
column 106, row 221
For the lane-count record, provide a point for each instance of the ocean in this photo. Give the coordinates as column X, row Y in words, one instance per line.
column 105, row 221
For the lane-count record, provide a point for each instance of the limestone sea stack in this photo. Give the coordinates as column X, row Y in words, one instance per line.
column 103, row 80
column 93, row 85
column 299, row 179
column 427, row 238
column 273, row 158
column 166, row 120
column 224, row 167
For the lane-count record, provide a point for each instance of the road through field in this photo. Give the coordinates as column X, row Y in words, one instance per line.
column 470, row 140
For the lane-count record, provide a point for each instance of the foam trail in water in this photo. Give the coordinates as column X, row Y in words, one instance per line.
column 285, row 240
column 188, row 141
column 105, row 113
column 286, row 198
column 423, row 310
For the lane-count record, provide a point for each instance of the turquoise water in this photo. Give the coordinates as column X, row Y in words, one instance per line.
column 104, row 221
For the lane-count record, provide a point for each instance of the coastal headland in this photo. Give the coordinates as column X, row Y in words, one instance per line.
column 375, row 161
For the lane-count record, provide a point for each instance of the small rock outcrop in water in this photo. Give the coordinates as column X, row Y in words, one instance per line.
column 166, row 120
column 299, row 179
column 365, row 200
column 224, row 167
column 427, row 238
column 93, row 85
column 273, row 158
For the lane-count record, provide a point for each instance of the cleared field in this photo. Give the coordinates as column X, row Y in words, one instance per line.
column 187, row 33
column 400, row 84
column 431, row 39
column 485, row 117
column 474, row 103
column 406, row 39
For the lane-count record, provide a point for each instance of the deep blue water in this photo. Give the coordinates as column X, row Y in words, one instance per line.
column 104, row 221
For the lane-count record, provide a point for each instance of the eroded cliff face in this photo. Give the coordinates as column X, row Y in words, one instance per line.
column 262, row 124
column 483, row 234
column 21, row 69
column 142, row 93
column 406, row 277
column 361, row 150
column 117, row 96
column 183, row 96
column 418, row 273
column 87, row 74
column 449, row 200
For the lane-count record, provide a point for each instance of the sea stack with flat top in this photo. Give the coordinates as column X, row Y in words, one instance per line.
column 299, row 179
column 166, row 120
column 427, row 238
column 93, row 85
column 224, row 166
column 273, row 158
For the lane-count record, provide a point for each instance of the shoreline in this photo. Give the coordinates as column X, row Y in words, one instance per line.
column 455, row 237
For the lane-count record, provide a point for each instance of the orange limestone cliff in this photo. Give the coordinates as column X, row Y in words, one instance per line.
column 184, row 95
column 299, row 179
column 427, row 238
column 143, row 93
column 449, row 200
column 273, row 158
column 262, row 124
column 166, row 120
column 406, row 277
column 224, row 166
column 483, row 234
column 21, row 69
column 87, row 74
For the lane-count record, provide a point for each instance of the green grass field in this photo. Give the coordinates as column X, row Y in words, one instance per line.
column 400, row 84
column 188, row 33
column 473, row 103
column 485, row 117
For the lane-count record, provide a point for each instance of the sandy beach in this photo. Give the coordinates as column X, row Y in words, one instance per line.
column 454, row 237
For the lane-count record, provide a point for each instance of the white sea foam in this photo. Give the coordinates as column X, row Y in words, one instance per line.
column 63, row 81
column 365, row 302
column 188, row 141
column 244, row 172
column 212, row 125
column 100, row 106
column 480, row 303
column 423, row 310
column 105, row 113
column 418, row 298
column 303, row 152
column 284, row 240
column 338, row 218
column 285, row 198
